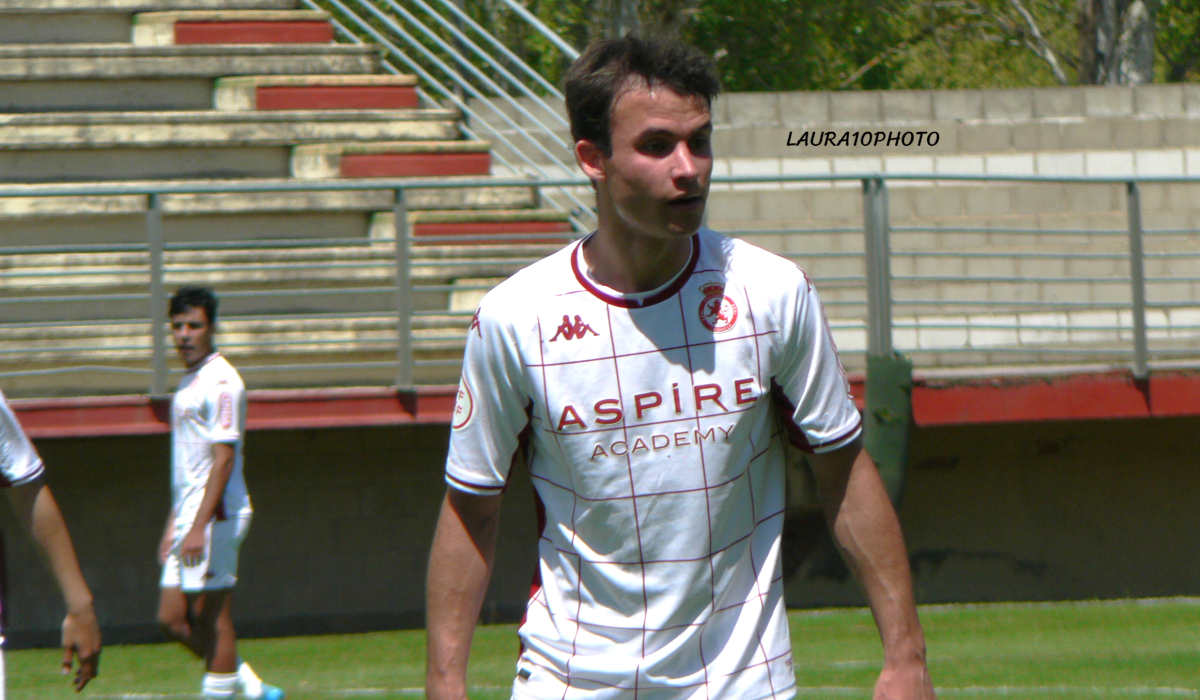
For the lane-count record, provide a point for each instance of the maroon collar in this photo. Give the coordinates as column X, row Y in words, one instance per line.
column 626, row 302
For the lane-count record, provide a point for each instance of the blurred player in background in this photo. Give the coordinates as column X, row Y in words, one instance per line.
column 210, row 508
column 649, row 375
column 21, row 473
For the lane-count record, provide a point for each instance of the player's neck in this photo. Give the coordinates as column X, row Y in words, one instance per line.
column 200, row 363
column 631, row 264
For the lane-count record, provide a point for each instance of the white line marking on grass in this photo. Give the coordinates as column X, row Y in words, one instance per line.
column 333, row 693
column 1018, row 691
column 1050, row 690
column 1094, row 603
column 343, row 693
column 141, row 696
column 854, row 663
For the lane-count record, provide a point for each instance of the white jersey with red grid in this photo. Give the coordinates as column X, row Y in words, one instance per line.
column 19, row 461
column 653, row 433
column 208, row 407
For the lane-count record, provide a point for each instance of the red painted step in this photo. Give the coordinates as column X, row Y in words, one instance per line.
column 253, row 32
column 336, row 97
column 431, row 164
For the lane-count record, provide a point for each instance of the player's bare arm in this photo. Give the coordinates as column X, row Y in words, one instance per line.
column 167, row 539
column 460, row 565
column 866, row 528
column 37, row 510
column 191, row 548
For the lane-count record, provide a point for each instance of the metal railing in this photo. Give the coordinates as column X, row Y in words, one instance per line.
column 505, row 100
column 393, row 310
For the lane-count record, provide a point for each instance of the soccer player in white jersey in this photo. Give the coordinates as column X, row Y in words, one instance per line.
column 649, row 376
column 21, row 475
column 210, row 508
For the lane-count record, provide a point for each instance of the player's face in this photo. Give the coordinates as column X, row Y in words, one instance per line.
column 658, row 173
column 192, row 334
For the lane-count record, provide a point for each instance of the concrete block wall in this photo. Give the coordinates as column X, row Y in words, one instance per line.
column 344, row 518
column 342, row 525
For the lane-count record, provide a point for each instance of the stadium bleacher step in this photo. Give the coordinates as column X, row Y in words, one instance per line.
column 204, row 128
column 98, row 21
column 111, row 284
column 391, row 159
column 312, row 92
column 192, row 144
column 232, row 27
column 39, row 220
column 83, row 77
column 490, row 228
column 358, row 348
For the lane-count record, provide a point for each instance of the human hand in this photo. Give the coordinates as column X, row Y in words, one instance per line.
column 164, row 547
column 81, row 640
column 908, row 681
column 191, row 547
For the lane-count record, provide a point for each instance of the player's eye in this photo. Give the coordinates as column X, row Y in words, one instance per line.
column 656, row 147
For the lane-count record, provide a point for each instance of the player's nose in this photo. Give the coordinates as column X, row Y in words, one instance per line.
column 684, row 163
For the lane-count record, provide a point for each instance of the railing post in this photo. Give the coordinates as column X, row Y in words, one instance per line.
column 404, row 303
column 879, row 272
column 158, row 297
column 1137, row 277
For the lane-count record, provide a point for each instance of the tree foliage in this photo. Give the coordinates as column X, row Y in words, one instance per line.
column 891, row 44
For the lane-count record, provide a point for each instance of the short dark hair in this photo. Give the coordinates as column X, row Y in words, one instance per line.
column 604, row 68
column 185, row 298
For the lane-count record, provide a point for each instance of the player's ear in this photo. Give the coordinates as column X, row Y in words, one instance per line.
column 590, row 157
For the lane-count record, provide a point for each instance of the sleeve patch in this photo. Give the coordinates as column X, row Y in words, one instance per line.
column 464, row 406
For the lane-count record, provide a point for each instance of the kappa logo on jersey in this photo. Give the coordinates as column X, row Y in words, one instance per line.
column 718, row 313
column 464, row 406
column 570, row 331
column 475, row 325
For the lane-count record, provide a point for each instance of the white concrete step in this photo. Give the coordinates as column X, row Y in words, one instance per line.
column 205, row 128
column 270, row 352
column 88, row 77
column 39, row 219
column 192, row 144
column 50, row 285
column 96, row 21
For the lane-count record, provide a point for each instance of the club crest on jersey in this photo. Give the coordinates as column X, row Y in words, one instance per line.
column 718, row 313
column 464, row 406
column 568, row 330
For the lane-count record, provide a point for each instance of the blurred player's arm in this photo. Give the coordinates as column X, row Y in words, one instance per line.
column 865, row 526
column 168, row 537
column 37, row 510
column 460, row 565
column 191, row 548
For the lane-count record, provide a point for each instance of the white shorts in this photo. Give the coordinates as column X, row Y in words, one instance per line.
column 217, row 569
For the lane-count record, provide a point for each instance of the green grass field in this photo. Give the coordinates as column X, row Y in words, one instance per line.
column 1121, row 649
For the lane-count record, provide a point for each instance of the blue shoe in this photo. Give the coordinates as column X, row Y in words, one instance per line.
column 270, row 692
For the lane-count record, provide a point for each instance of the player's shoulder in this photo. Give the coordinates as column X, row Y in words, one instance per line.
column 749, row 264
column 219, row 371
column 519, row 294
